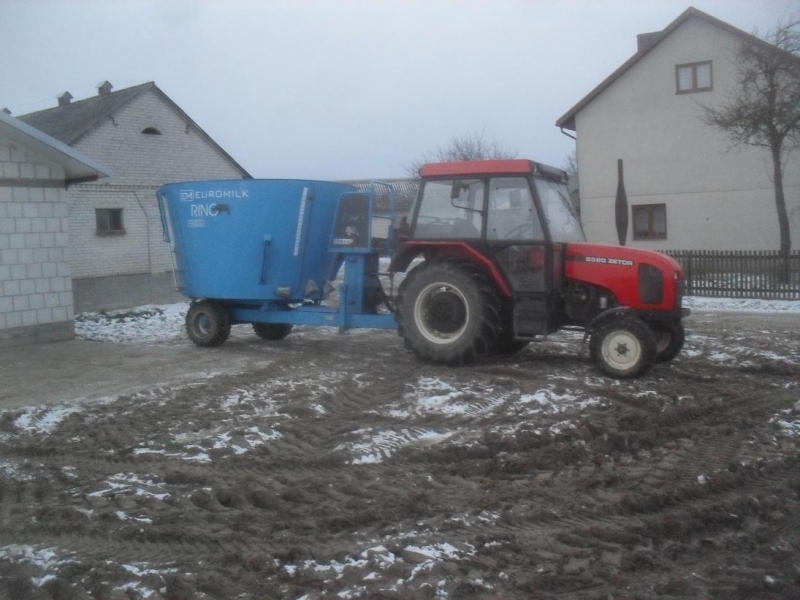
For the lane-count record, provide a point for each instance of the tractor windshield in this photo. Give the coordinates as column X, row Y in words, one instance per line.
column 561, row 218
column 451, row 209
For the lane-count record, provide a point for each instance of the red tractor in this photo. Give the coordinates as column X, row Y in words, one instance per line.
column 506, row 260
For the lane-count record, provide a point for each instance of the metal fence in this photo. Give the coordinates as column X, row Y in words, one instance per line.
column 740, row 274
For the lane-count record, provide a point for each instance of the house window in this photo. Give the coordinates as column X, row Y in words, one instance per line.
column 151, row 131
column 693, row 77
column 109, row 221
column 650, row 222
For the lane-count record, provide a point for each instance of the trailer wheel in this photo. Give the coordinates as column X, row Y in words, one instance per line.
column 208, row 324
column 449, row 312
column 669, row 340
column 272, row 331
column 623, row 347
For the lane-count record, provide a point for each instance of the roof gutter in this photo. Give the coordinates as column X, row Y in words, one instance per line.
column 77, row 180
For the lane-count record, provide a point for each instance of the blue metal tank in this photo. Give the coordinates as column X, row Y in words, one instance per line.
column 252, row 240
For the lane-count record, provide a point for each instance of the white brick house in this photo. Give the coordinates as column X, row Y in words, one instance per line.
column 687, row 187
column 118, row 255
column 36, row 302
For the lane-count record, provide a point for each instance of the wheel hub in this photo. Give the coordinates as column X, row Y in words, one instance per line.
column 202, row 324
column 441, row 313
column 621, row 349
column 445, row 312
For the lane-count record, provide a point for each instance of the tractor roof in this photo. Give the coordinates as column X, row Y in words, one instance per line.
column 514, row 166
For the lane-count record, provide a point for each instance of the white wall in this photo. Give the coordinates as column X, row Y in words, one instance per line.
column 35, row 281
column 140, row 163
column 717, row 196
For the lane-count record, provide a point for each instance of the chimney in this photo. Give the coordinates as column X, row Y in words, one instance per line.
column 64, row 99
column 645, row 40
column 104, row 88
column 5, row 110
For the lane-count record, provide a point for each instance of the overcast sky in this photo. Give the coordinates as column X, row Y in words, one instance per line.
column 344, row 89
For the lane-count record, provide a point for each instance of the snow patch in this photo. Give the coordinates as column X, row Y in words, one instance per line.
column 44, row 420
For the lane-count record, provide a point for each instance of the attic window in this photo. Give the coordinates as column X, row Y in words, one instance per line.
column 151, row 131
column 693, row 77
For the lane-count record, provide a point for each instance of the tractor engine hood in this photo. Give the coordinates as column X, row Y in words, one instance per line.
column 641, row 279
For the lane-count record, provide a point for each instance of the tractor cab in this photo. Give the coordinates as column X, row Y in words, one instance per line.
column 521, row 201
column 515, row 213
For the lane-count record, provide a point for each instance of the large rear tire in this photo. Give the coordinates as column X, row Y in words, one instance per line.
column 449, row 312
column 272, row 331
column 208, row 324
column 669, row 340
column 623, row 347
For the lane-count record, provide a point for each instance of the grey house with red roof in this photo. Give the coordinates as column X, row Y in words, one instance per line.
column 117, row 253
column 687, row 187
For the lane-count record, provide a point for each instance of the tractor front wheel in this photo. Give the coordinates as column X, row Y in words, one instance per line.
column 272, row 331
column 208, row 323
column 449, row 312
column 623, row 347
column 669, row 340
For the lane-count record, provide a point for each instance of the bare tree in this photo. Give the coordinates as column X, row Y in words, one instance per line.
column 763, row 108
column 472, row 146
column 571, row 167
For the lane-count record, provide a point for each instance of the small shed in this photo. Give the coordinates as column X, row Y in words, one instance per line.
column 36, row 302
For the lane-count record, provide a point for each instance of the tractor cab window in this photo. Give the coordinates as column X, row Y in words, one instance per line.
column 512, row 215
column 450, row 209
column 561, row 218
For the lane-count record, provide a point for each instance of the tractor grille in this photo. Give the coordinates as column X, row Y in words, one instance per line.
column 651, row 285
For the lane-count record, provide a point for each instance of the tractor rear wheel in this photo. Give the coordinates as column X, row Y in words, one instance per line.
column 449, row 312
column 623, row 347
column 669, row 340
column 272, row 331
column 208, row 324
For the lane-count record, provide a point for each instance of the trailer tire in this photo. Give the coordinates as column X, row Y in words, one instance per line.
column 272, row 331
column 623, row 347
column 449, row 312
column 669, row 340
column 208, row 324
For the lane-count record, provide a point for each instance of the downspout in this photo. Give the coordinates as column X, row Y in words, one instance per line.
column 569, row 135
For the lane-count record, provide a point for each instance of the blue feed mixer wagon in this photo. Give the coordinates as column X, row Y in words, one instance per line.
column 267, row 251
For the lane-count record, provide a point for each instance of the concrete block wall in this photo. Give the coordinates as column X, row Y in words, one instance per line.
column 35, row 277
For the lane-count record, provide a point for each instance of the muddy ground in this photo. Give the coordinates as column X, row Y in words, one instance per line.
column 341, row 467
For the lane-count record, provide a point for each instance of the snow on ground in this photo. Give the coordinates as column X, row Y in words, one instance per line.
column 742, row 304
column 143, row 324
column 152, row 323
column 430, row 412
column 235, row 430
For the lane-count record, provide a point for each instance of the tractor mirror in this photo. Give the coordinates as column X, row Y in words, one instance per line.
column 458, row 187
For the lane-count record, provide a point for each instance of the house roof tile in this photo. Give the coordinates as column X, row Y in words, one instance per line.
column 71, row 122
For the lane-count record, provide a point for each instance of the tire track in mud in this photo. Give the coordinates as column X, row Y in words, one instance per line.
column 538, row 492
